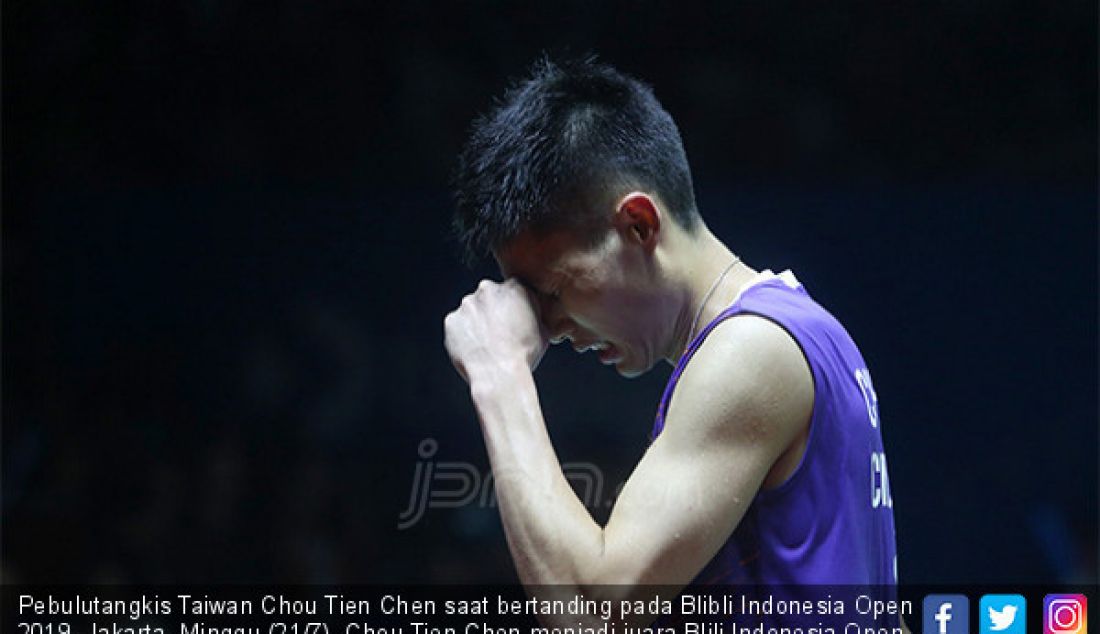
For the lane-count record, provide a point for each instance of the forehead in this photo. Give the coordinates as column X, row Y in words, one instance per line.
column 532, row 256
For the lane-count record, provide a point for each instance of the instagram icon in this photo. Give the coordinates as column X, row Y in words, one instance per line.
column 1065, row 614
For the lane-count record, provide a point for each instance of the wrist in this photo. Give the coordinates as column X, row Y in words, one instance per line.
column 494, row 379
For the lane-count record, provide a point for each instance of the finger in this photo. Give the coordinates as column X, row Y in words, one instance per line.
column 447, row 346
column 460, row 370
column 535, row 300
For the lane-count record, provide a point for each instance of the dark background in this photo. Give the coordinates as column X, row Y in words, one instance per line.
column 226, row 262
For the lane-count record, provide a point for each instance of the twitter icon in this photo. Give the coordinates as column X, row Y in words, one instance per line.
column 1002, row 614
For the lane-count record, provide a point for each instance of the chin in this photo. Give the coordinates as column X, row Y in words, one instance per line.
column 630, row 373
column 629, row 370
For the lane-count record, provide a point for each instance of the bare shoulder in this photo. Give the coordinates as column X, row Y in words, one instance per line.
column 748, row 383
column 740, row 405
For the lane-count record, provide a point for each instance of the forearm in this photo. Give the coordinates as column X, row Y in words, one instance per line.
column 551, row 535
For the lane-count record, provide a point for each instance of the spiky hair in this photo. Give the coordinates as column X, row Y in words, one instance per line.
column 558, row 142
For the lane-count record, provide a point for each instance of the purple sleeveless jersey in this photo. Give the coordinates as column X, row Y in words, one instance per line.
column 832, row 521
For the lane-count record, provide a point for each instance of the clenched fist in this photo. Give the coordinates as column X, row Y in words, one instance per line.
column 494, row 327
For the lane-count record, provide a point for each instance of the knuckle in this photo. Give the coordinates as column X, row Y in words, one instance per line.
column 484, row 285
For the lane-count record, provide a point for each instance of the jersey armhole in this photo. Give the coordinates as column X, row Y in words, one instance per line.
column 814, row 423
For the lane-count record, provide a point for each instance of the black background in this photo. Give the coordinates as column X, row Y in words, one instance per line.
column 226, row 263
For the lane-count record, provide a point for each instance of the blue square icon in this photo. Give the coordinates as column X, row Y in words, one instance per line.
column 1002, row 614
column 946, row 614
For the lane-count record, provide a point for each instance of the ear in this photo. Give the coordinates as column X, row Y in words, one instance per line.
column 638, row 220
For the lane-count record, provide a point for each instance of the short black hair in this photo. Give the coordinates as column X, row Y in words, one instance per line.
column 556, row 143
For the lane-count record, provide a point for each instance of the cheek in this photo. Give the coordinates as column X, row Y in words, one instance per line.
column 613, row 313
column 603, row 301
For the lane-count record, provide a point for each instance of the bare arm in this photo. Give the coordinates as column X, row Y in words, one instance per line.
column 743, row 400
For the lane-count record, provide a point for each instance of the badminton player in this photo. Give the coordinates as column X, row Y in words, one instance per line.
column 766, row 463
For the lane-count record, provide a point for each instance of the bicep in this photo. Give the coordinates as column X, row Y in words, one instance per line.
column 741, row 403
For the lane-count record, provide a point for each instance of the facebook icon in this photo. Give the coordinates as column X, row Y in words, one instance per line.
column 946, row 614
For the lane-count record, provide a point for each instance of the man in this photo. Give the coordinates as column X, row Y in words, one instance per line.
column 766, row 464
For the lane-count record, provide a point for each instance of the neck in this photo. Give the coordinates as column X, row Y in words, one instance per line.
column 706, row 258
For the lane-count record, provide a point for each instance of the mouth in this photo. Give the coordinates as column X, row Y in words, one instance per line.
column 598, row 346
column 608, row 354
